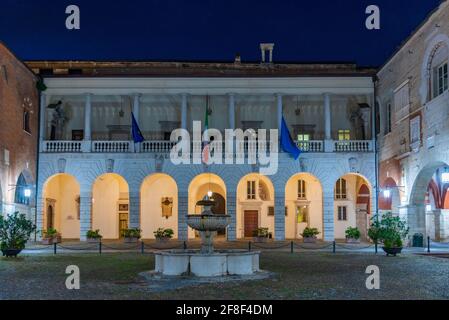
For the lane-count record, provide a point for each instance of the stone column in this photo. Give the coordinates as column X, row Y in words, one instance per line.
column 87, row 123
column 39, row 213
column 134, row 209
column 328, row 143
column 231, row 110
column 184, row 111
column 279, row 216
column 328, row 214
column 85, row 214
column 279, row 110
column 183, row 207
column 415, row 216
column 42, row 118
column 231, row 207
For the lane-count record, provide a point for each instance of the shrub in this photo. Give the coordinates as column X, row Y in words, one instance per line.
column 352, row 233
column 132, row 233
column 50, row 233
column 389, row 230
column 310, row 232
column 163, row 233
column 261, row 233
column 91, row 234
column 15, row 231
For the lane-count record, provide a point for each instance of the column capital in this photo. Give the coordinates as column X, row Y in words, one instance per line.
column 279, row 94
column 184, row 94
column 231, row 94
column 136, row 94
column 88, row 94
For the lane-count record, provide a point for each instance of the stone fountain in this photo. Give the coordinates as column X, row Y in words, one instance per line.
column 207, row 262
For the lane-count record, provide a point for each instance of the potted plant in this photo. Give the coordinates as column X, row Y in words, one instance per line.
column 51, row 236
column 309, row 235
column 15, row 231
column 93, row 236
column 390, row 231
column 131, row 235
column 261, row 235
column 352, row 235
column 163, row 235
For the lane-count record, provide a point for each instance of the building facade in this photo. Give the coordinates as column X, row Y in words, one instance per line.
column 92, row 175
column 19, row 114
column 414, row 129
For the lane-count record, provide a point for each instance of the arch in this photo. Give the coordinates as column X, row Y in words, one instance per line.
column 304, row 210
column 158, row 204
column 392, row 201
column 354, row 209
column 110, row 205
column 20, row 196
column 199, row 187
column 60, row 199
column 257, row 210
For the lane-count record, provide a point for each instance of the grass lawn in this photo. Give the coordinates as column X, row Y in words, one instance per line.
column 299, row 276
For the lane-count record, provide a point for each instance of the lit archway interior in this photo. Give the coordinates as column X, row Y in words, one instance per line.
column 199, row 188
column 61, row 206
column 304, row 203
column 389, row 198
column 158, row 205
column 352, row 205
column 110, row 205
column 255, row 205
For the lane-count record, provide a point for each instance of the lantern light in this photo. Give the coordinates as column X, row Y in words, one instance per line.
column 27, row 193
column 387, row 193
column 445, row 177
column 209, row 193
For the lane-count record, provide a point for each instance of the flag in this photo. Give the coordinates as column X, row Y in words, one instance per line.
column 137, row 134
column 287, row 143
column 206, row 147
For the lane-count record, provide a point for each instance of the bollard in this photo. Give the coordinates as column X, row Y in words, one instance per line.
column 185, row 245
column 142, row 247
column 375, row 247
column 428, row 244
column 99, row 247
column 291, row 247
column 334, row 247
column 249, row 246
column 54, row 248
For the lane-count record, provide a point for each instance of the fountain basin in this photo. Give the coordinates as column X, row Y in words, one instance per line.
column 219, row 263
column 208, row 222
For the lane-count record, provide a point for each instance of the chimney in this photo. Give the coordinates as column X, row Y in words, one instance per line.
column 264, row 47
column 237, row 59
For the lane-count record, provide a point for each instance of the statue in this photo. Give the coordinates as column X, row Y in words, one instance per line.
column 58, row 121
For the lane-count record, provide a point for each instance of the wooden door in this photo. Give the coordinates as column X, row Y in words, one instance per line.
column 251, row 222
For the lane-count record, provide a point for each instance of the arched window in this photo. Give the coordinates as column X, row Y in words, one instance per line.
column 26, row 121
column 438, row 71
column 22, row 195
column 340, row 189
column 301, row 189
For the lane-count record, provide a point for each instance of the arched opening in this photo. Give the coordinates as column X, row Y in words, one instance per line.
column 389, row 197
column 304, row 203
column 211, row 185
column 437, row 71
column 255, row 205
column 427, row 213
column 352, row 205
column 23, row 191
column 158, row 205
column 110, row 205
column 61, row 194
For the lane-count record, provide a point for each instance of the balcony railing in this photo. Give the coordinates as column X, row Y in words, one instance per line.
column 316, row 146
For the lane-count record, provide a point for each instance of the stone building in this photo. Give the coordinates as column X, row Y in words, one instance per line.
column 92, row 175
column 19, row 114
column 413, row 101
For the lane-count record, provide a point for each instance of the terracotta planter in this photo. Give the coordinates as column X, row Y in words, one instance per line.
column 130, row 240
column 392, row 251
column 260, row 239
column 11, row 252
column 47, row 241
column 309, row 239
column 93, row 240
column 163, row 240
column 352, row 240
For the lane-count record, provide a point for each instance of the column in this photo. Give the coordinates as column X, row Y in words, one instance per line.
column 231, row 208
column 184, row 111
column 328, row 214
column 279, row 110
column 39, row 214
column 42, row 113
column 327, row 117
column 136, row 112
column 415, row 216
column 85, row 214
column 134, row 209
column 279, row 216
column 183, row 208
column 87, row 117
column 231, row 110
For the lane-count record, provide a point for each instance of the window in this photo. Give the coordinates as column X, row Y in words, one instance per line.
column 302, row 214
column 340, row 189
column 271, row 211
column 415, row 130
column 251, row 190
column 344, row 135
column 441, row 80
column 26, row 121
column 402, row 101
column 303, row 137
column 342, row 214
column 388, row 119
column 22, row 190
column 301, row 189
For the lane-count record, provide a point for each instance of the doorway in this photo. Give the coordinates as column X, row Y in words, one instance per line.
column 251, row 222
column 219, row 208
column 50, row 217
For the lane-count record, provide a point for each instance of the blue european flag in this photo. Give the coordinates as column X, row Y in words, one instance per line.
column 137, row 134
column 287, row 143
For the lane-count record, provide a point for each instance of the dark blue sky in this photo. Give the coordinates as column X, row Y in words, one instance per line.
column 312, row 30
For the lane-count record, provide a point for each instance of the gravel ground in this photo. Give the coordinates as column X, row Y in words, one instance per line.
column 316, row 275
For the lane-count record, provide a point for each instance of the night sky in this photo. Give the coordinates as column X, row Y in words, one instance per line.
column 303, row 31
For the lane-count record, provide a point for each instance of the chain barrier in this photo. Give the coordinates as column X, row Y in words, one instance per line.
column 299, row 246
column 270, row 247
column 179, row 246
column 91, row 247
column 354, row 248
column 121, row 248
